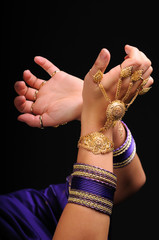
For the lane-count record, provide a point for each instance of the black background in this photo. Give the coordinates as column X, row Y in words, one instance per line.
column 71, row 34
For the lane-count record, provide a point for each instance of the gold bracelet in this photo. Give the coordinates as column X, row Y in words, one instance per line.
column 96, row 142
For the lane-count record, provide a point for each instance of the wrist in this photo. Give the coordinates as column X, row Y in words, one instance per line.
column 119, row 134
column 91, row 122
column 79, row 108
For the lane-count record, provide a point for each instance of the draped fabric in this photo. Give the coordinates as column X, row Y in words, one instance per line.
column 30, row 214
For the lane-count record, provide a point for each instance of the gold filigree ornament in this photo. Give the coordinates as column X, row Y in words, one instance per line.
column 96, row 142
column 137, row 75
column 115, row 112
column 144, row 90
column 126, row 72
column 98, row 76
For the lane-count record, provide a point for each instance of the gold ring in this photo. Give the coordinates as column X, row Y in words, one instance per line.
column 144, row 90
column 53, row 74
column 35, row 95
column 97, row 78
column 31, row 109
column 137, row 75
column 144, row 82
column 126, row 72
column 41, row 122
column 42, row 84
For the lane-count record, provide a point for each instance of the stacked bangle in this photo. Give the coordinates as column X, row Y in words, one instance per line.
column 92, row 187
column 123, row 155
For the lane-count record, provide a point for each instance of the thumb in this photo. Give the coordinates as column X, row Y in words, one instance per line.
column 101, row 62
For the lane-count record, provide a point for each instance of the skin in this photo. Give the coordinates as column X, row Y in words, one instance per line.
column 93, row 225
column 65, row 90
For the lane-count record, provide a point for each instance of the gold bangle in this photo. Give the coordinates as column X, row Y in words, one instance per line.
column 96, row 142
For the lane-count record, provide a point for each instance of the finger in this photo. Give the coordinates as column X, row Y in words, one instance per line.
column 147, row 73
column 136, row 58
column 133, row 57
column 22, row 104
column 48, row 66
column 34, row 121
column 101, row 62
column 144, row 76
column 22, row 89
column 30, row 119
column 32, row 80
column 149, row 83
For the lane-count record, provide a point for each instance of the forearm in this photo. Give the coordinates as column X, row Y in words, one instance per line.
column 131, row 177
column 78, row 222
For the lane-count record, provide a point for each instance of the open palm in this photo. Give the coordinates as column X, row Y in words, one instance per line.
column 58, row 101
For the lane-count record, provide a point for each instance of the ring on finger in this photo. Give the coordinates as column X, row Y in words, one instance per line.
column 144, row 90
column 97, row 77
column 144, row 82
column 42, row 84
column 53, row 74
column 41, row 122
column 31, row 109
column 35, row 95
column 137, row 75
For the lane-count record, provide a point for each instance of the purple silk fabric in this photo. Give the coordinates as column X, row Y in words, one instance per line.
column 30, row 214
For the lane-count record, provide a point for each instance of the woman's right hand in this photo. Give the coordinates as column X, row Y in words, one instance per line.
column 58, row 101
column 94, row 104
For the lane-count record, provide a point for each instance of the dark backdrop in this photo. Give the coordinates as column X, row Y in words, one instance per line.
column 71, row 34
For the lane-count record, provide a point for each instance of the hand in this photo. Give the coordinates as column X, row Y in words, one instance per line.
column 94, row 104
column 59, row 100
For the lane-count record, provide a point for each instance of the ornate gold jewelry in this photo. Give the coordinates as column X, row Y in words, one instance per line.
column 96, row 142
column 35, row 95
column 144, row 90
column 117, row 108
column 41, row 122
column 137, row 75
column 53, row 74
column 104, row 92
column 126, row 72
column 115, row 112
column 97, row 78
column 144, row 82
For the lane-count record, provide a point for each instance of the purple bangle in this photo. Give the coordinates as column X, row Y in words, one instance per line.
column 123, row 155
column 92, row 187
column 91, row 194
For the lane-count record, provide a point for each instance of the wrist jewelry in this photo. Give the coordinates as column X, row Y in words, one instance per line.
column 117, row 108
column 92, row 187
column 123, row 155
column 96, row 142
